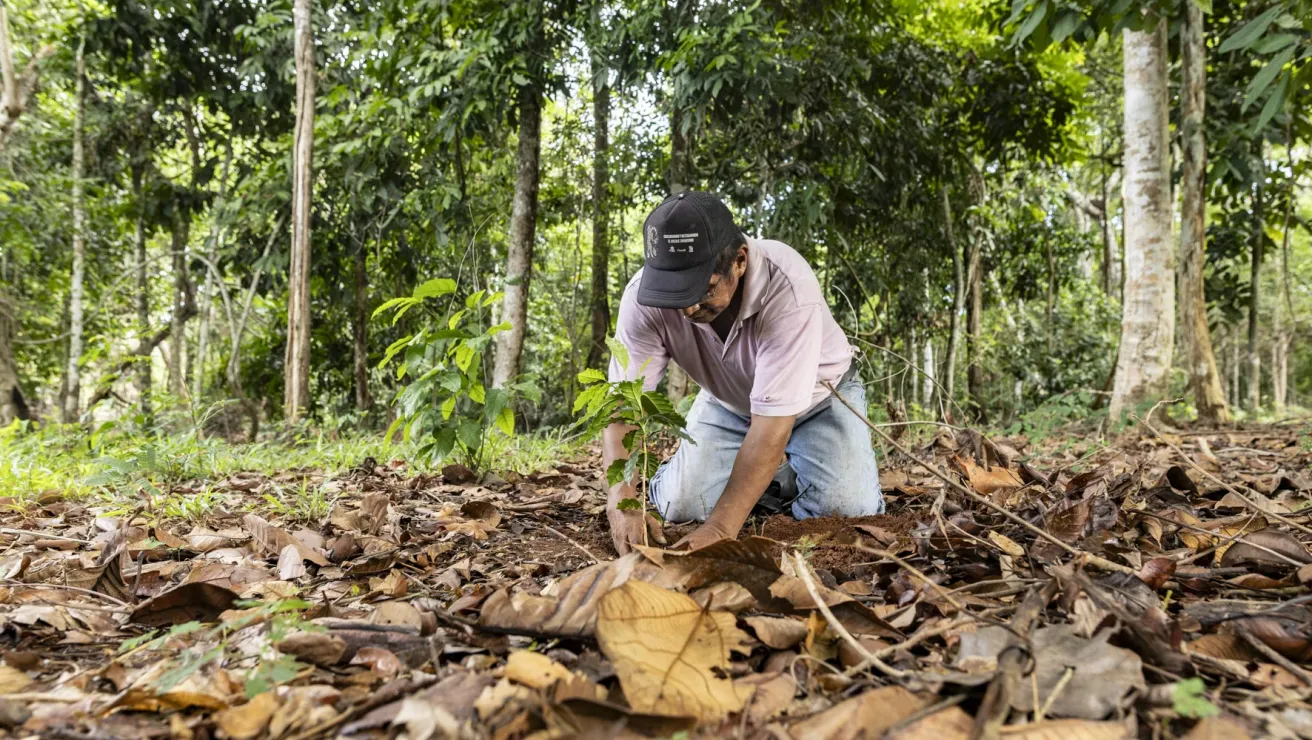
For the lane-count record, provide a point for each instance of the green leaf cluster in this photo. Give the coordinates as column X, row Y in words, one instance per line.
column 603, row 402
column 445, row 403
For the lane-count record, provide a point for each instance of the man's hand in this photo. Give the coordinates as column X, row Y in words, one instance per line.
column 707, row 534
column 626, row 526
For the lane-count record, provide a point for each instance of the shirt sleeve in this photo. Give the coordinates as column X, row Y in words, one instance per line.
column 788, row 362
column 637, row 330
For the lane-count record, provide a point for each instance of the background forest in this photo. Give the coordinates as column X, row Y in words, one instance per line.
column 982, row 188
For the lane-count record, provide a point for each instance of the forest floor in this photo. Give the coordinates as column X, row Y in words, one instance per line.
column 1153, row 585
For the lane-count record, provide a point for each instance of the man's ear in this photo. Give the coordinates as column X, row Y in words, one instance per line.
column 740, row 262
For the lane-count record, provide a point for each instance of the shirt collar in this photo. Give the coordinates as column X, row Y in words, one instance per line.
column 756, row 276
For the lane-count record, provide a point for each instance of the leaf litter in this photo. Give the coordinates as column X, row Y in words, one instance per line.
column 1158, row 587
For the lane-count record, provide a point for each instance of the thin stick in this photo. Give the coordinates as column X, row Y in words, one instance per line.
column 43, row 535
column 910, row 642
column 565, row 537
column 1223, row 484
column 61, row 587
column 804, row 571
column 1056, row 691
column 1274, row 656
column 904, row 565
column 1088, row 557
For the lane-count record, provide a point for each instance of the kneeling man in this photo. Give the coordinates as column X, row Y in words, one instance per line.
column 746, row 319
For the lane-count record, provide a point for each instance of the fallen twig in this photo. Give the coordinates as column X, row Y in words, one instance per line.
column 1252, row 640
column 566, row 537
column 804, row 571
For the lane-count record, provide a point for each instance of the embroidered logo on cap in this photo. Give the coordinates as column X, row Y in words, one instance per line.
column 651, row 242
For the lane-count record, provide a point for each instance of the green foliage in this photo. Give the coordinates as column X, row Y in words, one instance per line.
column 1190, row 699
column 603, row 403
column 445, row 404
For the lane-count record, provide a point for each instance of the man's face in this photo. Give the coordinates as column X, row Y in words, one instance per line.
column 719, row 294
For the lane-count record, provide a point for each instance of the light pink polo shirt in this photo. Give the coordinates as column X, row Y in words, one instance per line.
column 783, row 344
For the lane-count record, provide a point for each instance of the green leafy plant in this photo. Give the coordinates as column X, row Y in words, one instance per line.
column 603, row 403
column 446, row 404
column 1190, row 699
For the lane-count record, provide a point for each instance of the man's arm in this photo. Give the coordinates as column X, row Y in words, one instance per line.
column 753, row 469
column 626, row 527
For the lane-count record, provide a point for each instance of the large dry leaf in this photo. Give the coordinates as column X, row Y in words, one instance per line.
column 271, row 540
column 13, row 680
column 1102, row 674
column 947, row 724
column 568, row 610
column 1243, row 552
column 248, row 720
column 199, row 602
column 772, row 692
column 866, row 715
column 988, row 480
column 666, row 651
column 750, row 563
column 1068, row 729
column 535, row 670
column 1218, row 728
column 776, row 632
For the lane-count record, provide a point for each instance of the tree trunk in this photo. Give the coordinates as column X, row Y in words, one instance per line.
column 974, row 322
column 958, row 304
column 1052, row 288
column 1254, row 396
column 360, row 331
column 523, row 230
column 927, row 393
column 181, row 291
column 1143, row 362
column 296, row 372
column 1203, row 376
column 143, row 285
column 600, row 291
column 75, row 315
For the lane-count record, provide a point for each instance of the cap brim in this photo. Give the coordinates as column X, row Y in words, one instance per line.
column 674, row 288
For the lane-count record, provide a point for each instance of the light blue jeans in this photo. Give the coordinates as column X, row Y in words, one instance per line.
column 829, row 454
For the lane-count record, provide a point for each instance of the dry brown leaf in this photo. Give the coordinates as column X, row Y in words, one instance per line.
column 13, row 680
column 248, row 720
column 866, row 715
column 271, row 540
column 568, row 610
column 290, row 564
column 1157, row 572
column 1243, row 551
column 380, row 660
column 484, row 511
column 772, row 692
column 198, row 602
column 1068, row 729
column 1006, row 544
column 397, row 612
column 535, row 670
column 666, row 650
column 1218, row 728
column 988, row 480
column 778, row 632
column 726, row 596
column 319, row 648
column 1223, row 646
column 948, row 724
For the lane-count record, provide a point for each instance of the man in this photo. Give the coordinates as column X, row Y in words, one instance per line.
column 746, row 319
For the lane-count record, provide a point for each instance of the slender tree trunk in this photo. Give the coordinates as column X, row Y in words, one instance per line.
column 927, row 392
column 523, row 230
column 600, row 291
column 1254, row 397
column 974, row 322
column 143, row 285
column 181, row 289
column 1234, row 367
column 1148, row 316
column 360, row 331
column 296, row 378
column 75, row 315
column 958, row 304
column 1052, row 288
column 677, row 383
column 1203, row 376
column 203, row 337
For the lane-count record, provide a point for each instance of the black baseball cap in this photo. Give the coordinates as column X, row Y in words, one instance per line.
column 681, row 239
